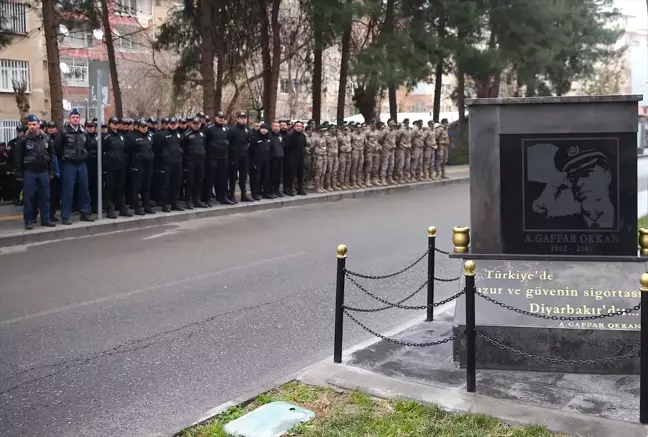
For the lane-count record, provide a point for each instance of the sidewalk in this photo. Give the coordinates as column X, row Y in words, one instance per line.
column 12, row 232
column 573, row 404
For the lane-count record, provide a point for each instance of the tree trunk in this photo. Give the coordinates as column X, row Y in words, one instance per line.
column 365, row 101
column 207, row 60
column 461, row 96
column 318, row 50
column 266, row 58
column 271, row 104
column 438, row 75
column 344, row 72
column 218, row 92
column 112, row 60
column 53, row 61
column 393, row 104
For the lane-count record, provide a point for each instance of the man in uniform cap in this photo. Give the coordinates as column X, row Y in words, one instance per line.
column 443, row 142
column 239, row 157
column 588, row 175
column 33, row 166
column 217, row 144
column 74, row 170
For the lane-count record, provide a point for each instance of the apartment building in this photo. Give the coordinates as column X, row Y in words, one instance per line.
column 133, row 23
column 21, row 61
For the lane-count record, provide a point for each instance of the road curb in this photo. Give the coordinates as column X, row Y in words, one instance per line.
column 105, row 226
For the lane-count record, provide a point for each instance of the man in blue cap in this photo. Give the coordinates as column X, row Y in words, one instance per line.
column 33, row 166
column 75, row 172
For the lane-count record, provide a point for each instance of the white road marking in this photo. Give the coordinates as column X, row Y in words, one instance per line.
column 146, row 289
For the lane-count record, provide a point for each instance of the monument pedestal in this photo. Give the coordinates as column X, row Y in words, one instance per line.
column 554, row 289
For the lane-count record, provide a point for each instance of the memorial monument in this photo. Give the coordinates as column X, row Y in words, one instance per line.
column 553, row 230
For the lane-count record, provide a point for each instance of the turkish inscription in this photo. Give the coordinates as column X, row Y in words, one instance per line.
column 568, row 194
column 559, row 289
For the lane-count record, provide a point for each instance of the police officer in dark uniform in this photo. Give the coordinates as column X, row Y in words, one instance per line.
column 152, row 124
column 56, row 135
column 140, row 146
column 239, row 157
column 172, row 158
column 193, row 144
column 276, row 160
column 91, row 147
column 114, row 167
column 294, row 150
column 183, row 125
column 74, row 171
column 217, row 144
column 158, row 162
column 34, row 167
column 260, row 168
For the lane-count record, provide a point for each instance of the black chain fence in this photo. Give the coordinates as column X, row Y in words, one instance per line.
column 390, row 275
column 400, row 342
column 561, row 318
column 557, row 360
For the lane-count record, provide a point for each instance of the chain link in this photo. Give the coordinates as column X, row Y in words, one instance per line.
column 561, row 318
column 529, row 356
column 406, row 307
column 398, row 304
column 442, row 251
column 447, row 280
column 399, row 342
column 390, row 275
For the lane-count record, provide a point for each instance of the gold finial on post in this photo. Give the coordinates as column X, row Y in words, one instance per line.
column 461, row 239
column 643, row 241
column 342, row 251
column 643, row 280
column 469, row 268
column 431, row 231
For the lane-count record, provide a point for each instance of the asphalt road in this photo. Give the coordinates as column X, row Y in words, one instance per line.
column 136, row 333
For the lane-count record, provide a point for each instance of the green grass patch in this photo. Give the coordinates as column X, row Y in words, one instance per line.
column 355, row 414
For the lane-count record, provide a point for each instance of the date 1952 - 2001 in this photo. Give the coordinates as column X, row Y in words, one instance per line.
column 570, row 249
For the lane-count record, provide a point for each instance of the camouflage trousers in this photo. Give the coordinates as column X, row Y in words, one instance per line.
column 357, row 164
column 443, row 155
column 416, row 163
column 319, row 170
column 428, row 161
column 402, row 163
column 331, row 177
column 387, row 164
column 308, row 168
column 369, row 158
column 377, row 158
column 344, row 171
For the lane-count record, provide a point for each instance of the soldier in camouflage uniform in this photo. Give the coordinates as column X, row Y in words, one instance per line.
column 344, row 145
column 429, row 152
column 371, row 154
column 357, row 156
column 416, row 163
column 332, row 162
column 318, row 152
column 388, row 137
column 405, row 143
column 443, row 142
column 308, row 158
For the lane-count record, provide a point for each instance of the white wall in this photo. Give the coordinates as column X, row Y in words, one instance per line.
column 642, row 185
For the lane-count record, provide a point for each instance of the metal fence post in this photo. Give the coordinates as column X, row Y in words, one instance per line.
column 339, row 303
column 469, row 274
column 430, row 284
column 643, row 360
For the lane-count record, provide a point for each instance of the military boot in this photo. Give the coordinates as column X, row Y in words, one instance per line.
column 110, row 212
column 443, row 173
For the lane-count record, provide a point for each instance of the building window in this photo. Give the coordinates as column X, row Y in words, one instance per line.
column 79, row 38
column 11, row 71
column 8, row 130
column 124, row 41
column 289, row 86
column 83, row 107
column 134, row 7
column 13, row 17
column 77, row 74
column 419, row 107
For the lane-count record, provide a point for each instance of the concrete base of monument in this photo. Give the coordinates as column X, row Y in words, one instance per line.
column 521, row 304
column 560, row 344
